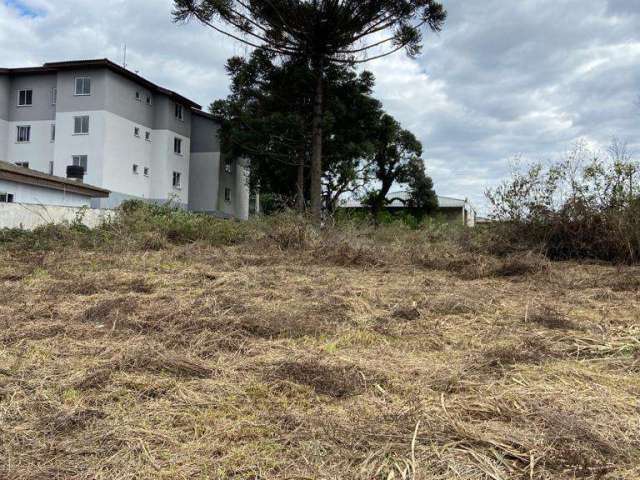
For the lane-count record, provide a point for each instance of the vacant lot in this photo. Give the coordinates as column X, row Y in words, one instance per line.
column 258, row 362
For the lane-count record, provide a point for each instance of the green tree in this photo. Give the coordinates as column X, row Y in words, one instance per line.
column 320, row 33
column 398, row 159
column 268, row 120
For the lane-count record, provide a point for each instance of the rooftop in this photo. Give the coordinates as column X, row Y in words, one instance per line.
column 399, row 198
column 102, row 63
column 26, row 176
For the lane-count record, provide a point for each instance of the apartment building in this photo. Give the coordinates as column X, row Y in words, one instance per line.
column 132, row 137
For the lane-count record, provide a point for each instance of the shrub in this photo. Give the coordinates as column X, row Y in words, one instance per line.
column 585, row 206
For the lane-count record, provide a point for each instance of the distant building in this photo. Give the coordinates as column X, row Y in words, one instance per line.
column 131, row 136
column 26, row 186
column 453, row 209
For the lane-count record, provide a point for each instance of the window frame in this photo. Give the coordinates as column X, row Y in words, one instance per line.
column 26, row 128
column 147, row 136
column 51, row 167
column 177, row 185
column 145, row 171
column 52, row 133
column 228, row 166
column 8, row 197
column 227, row 194
column 135, row 169
column 138, row 96
column 179, row 112
column 136, row 132
column 75, row 89
column 149, row 100
column 177, row 142
column 81, row 157
column 81, row 118
column 25, row 90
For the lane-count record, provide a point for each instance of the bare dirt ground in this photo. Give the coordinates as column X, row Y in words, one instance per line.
column 233, row 363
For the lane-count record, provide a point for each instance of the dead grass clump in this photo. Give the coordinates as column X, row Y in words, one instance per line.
column 522, row 264
column 337, row 381
column 154, row 360
column 575, row 445
column 531, row 350
column 107, row 312
column 65, row 422
column 347, row 255
column 453, row 305
column 95, row 379
column 406, row 313
column 551, row 318
column 625, row 281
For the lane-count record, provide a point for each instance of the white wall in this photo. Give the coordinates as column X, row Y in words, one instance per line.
column 28, row 217
column 30, row 194
column 38, row 152
column 165, row 163
column 68, row 144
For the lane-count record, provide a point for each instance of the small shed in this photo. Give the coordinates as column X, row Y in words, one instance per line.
column 26, row 186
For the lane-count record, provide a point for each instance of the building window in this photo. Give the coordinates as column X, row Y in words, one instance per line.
column 228, row 165
column 136, row 131
column 146, row 171
column 177, row 146
column 24, row 134
column 54, row 96
column 138, row 98
column 53, row 132
column 81, row 125
column 83, row 86
column 227, row 195
column 179, row 112
column 135, row 169
column 148, row 99
column 25, row 98
column 147, row 136
column 81, row 161
column 176, row 179
column 51, row 164
column 6, row 197
column 22, row 164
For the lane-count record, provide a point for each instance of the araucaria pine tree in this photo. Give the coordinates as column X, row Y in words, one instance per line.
column 320, row 32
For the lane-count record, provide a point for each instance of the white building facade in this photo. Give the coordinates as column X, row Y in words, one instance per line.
column 134, row 138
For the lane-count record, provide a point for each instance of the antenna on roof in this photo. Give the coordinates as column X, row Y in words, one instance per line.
column 124, row 56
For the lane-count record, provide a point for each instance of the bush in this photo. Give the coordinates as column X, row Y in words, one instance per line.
column 584, row 207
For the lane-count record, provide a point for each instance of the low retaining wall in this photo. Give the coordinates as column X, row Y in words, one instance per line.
column 28, row 217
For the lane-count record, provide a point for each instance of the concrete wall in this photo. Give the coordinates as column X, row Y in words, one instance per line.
column 28, row 217
column 30, row 194
column 42, row 108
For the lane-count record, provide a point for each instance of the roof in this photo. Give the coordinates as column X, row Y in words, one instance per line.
column 399, row 199
column 53, row 67
column 202, row 113
column 26, row 176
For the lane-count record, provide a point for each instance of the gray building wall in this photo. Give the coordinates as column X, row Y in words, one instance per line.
column 5, row 87
column 121, row 100
column 42, row 108
column 204, row 169
column 165, row 117
column 69, row 102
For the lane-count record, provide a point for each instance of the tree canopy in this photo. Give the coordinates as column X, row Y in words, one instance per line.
column 321, row 33
column 267, row 119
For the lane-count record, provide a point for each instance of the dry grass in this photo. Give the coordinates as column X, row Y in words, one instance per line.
column 301, row 357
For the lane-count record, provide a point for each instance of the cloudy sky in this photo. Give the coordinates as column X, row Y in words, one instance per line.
column 504, row 78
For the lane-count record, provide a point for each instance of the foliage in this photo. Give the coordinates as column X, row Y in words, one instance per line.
column 320, row 34
column 584, row 206
column 267, row 119
column 397, row 159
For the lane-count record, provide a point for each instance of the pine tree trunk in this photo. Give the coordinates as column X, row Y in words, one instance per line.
column 316, row 152
column 300, row 188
